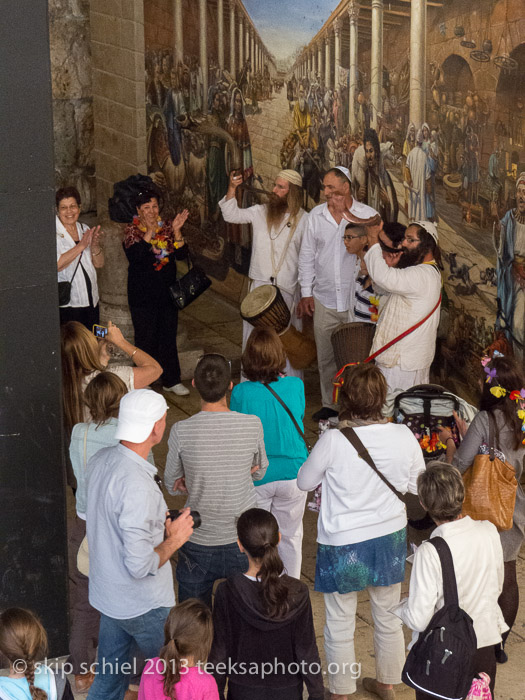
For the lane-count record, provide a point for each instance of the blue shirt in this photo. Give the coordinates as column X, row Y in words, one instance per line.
column 126, row 512
column 285, row 448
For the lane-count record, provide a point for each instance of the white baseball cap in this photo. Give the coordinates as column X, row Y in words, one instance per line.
column 429, row 227
column 139, row 411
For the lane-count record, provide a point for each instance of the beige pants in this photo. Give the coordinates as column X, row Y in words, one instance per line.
column 286, row 502
column 389, row 644
column 325, row 322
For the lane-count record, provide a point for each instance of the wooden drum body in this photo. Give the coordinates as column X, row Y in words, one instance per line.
column 299, row 347
column 352, row 342
column 265, row 307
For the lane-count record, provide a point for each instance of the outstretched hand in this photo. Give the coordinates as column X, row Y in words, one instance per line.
column 179, row 221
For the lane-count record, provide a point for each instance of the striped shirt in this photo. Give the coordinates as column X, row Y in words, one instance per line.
column 215, row 452
column 364, row 310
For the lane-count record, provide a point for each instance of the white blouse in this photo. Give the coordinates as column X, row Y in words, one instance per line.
column 79, row 293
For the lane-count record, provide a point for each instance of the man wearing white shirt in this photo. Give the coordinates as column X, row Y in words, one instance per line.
column 327, row 273
column 278, row 229
column 414, row 289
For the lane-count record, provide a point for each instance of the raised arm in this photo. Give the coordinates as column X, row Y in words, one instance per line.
column 406, row 281
column 147, row 369
column 231, row 211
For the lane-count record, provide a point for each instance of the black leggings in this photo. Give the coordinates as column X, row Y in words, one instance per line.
column 509, row 599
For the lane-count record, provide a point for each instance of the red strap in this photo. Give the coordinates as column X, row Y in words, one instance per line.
column 389, row 344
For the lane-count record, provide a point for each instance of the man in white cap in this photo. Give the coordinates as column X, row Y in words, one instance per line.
column 327, row 273
column 130, row 544
column 278, row 228
column 414, row 295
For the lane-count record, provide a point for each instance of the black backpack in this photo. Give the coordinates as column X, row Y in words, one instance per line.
column 441, row 661
column 121, row 207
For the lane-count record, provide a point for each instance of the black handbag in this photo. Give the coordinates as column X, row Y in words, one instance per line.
column 64, row 288
column 189, row 287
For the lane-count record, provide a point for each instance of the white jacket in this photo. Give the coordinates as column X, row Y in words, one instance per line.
column 478, row 564
column 79, row 294
column 356, row 505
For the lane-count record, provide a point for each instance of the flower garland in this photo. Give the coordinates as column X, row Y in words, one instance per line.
column 160, row 245
column 517, row 395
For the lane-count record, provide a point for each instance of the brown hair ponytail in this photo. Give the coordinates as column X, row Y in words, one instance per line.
column 188, row 632
column 22, row 637
column 258, row 533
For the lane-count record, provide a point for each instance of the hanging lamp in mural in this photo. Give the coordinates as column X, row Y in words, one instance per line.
column 459, row 31
column 504, row 61
column 482, row 55
column 466, row 42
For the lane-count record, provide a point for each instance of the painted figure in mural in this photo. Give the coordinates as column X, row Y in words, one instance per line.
column 417, row 181
column 471, row 165
column 278, row 229
column 426, row 138
column 376, row 188
column 509, row 240
column 174, row 108
column 410, row 140
column 302, row 121
column 414, row 293
column 216, row 175
column 196, row 86
column 166, row 70
column 493, row 180
column 363, row 113
column 433, row 163
column 156, row 92
column 291, row 87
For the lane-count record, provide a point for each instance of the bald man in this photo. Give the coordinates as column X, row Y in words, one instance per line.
column 278, row 228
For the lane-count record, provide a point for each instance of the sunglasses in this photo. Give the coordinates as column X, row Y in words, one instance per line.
column 388, row 249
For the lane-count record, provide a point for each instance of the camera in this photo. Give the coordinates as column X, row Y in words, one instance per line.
column 174, row 514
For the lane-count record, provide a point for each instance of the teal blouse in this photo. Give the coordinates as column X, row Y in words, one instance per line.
column 284, row 446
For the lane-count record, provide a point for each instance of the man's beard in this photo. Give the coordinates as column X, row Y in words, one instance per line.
column 412, row 257
column 277, row 207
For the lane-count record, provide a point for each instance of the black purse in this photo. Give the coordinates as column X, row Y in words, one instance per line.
column 189, row 287
column 64, row 288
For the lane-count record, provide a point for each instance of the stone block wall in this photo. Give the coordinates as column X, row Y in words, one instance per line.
column 117, row 45
column 69, row 35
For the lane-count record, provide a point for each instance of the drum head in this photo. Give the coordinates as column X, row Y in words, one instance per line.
column 258, row 300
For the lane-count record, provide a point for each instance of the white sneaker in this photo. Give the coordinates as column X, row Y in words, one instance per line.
column 178, row 389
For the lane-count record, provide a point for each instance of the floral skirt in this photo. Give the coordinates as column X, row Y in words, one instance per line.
column 353, row 567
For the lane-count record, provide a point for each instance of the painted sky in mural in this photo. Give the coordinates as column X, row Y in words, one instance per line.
column 284, row 32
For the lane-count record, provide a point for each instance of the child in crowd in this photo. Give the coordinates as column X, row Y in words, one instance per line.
column 23, row 641
column 175, row 674
column 264, row 632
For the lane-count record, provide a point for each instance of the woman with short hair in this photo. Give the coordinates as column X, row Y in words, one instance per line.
column 79, row 252
column 478, row 565
column 263, row 363
column 361, row 531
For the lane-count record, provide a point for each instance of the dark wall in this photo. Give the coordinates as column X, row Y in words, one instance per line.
column 33, row 557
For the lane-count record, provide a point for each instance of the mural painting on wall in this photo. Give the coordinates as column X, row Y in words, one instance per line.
column 282, row 99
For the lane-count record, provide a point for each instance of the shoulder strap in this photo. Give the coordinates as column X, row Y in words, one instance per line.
column 76, row 268
column 296, row 424
column 450, row 589
column 364, row 454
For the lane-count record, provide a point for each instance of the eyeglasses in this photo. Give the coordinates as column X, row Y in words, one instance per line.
column 348, row 237
column 411, row 240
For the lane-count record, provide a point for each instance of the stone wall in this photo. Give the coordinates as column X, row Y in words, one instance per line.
column 69, row 35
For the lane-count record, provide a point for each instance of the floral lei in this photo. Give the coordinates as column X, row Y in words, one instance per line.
column 517, row 395
column 161, row 245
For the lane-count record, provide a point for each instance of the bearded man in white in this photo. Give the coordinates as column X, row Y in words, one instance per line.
column 278, row 228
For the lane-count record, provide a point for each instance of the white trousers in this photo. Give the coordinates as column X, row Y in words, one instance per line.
column 247, row 327
column 389, row 644
column 325, row 322
column 286, row 502
column 398, row 378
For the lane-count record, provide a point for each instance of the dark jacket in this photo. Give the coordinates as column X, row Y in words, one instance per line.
column 249, row 638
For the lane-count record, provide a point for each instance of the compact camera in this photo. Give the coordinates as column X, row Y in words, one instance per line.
column 174, row 514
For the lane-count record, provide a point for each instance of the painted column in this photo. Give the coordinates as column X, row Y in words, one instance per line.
column 320, row 59
column 232, row 39
column 241, row 41
column 246, row 40
column 310, row 63
column 252, row 49
column 337, row 61
column 418, row 29
column 376, row 71
column 203, row 37
column 353, row 15
column 220, row 32
column 178, row 48
column 327, row 58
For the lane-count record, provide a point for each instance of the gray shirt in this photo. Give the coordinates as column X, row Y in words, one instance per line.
column 215, row 452
column 126, row 512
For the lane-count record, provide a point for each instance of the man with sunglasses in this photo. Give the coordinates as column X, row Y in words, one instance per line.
column 414, row 293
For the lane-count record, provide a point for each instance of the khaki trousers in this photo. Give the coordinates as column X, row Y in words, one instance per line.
column 325, row 322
